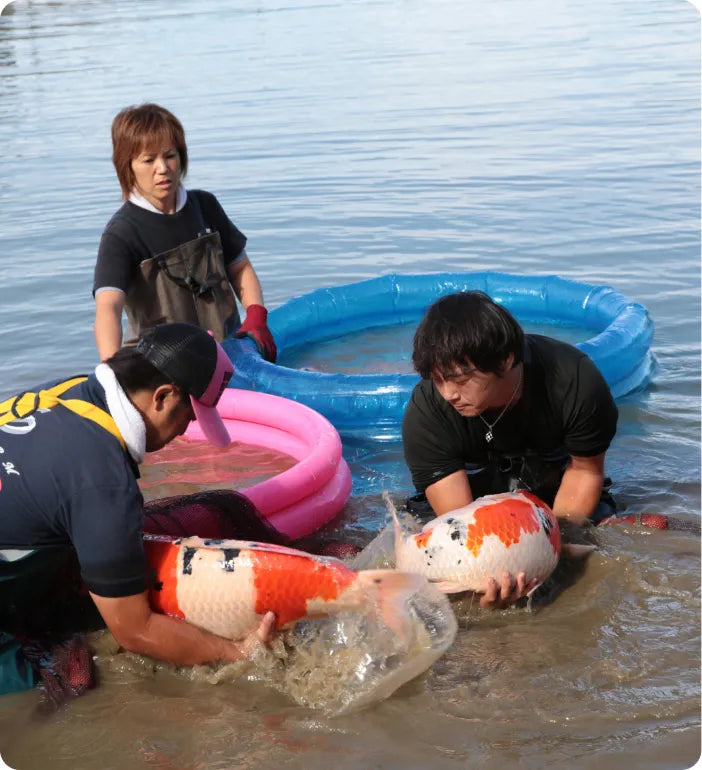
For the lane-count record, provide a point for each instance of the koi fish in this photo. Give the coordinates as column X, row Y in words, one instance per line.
column 226, row 586
column 510, row 532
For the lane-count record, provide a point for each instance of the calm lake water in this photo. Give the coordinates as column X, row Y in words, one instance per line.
column 348, row 140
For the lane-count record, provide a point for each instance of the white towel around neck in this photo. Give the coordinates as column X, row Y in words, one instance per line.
column 124, row 413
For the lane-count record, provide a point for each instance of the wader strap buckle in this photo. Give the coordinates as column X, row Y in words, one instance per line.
column 35, row 405
column 190, row 283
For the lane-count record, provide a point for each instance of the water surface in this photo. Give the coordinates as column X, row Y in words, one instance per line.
column 348, row 140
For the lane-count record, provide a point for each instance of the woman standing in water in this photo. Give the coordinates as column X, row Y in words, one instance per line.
column 170, row 254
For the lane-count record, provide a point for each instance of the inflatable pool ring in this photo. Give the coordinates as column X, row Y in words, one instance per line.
column 376, row 402
column 303, row 498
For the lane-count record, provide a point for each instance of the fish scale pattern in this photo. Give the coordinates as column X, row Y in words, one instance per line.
column 510, row 532
column 216, row 593
column 286, row 585
column 225, row 586
column 507, row 520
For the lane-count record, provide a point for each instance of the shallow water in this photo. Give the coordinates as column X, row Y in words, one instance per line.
column 385, row 349
column 348, row 140
column 184, row 467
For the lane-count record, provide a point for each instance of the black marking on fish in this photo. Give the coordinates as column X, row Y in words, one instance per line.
column 212, row 542
column 188, row 554
column 458, row 530
column 154, row 584
column 230, row 555
column 543, row 518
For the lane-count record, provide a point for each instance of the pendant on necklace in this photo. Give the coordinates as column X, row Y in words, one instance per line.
column 488, row 436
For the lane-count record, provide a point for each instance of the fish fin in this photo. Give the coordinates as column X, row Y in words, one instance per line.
column 448, row 587
column 576, row 551
column 391, row 590
column 396, row 525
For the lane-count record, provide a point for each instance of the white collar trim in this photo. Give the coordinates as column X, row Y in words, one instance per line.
column 139, row 200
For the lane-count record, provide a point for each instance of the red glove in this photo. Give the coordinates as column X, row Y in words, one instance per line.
column 254, row 326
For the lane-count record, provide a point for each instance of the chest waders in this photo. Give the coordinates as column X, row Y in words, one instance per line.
column 507, row 472
column 535, row 473
column 16, row 564
column 188, row 284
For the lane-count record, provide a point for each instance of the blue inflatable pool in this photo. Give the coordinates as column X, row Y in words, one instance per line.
column 373, row 404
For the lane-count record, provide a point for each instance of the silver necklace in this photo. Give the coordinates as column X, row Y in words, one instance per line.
column 490, row 425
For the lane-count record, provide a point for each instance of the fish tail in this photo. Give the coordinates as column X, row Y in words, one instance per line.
column 162, row 557
column 390, row 591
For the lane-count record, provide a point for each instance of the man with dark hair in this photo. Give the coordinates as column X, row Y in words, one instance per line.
column 498, row 410
column 69, row 456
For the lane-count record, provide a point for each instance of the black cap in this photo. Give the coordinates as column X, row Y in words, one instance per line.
column 193, row 360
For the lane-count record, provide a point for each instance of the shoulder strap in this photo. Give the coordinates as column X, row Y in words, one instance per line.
column 27, row 403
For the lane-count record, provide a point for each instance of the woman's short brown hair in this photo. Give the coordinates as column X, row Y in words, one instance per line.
column 135, row 128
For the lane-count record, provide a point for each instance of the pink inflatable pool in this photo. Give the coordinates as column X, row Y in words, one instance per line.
column 306, row 496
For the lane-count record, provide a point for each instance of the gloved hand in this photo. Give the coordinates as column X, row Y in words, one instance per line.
column 254, row 326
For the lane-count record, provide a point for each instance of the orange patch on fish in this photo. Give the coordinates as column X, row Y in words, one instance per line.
column 285, row 585
column 163, row 558
column 554, row 533
column 421, row 541
column 513, row 518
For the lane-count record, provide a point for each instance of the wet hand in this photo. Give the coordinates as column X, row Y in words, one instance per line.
column 509, row 590
column 266, row 629
column 262, row 635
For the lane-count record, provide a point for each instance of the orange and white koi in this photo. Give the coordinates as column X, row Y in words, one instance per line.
column 226, row 586
column 510, row 532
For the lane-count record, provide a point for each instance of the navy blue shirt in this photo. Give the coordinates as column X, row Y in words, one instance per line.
column 66, row 480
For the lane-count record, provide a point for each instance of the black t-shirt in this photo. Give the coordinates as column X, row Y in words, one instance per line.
column 135, row 234
column 566, row 409
column 66, row 480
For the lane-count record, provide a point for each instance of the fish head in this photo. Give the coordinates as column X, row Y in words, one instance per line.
column 549, row 522
column 409, row 547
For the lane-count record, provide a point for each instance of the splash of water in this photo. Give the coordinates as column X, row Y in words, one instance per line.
column 337, row 664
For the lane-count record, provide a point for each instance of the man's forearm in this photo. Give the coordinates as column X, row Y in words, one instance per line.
column 183, row 644
column 578, row 494
column 136, row 628
column 246, row 285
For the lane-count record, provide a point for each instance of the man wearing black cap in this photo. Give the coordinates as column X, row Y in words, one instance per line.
column 69, row 456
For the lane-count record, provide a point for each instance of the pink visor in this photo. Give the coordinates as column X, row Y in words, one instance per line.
column 205, row 407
